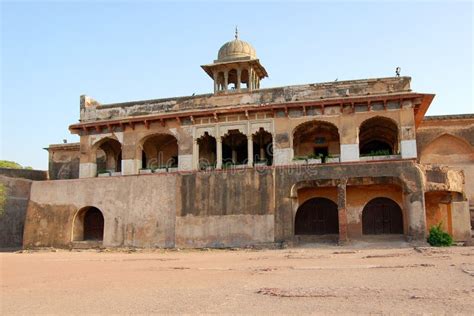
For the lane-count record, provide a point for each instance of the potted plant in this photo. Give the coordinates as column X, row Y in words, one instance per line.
column 331, row 159
column 173, row 168
column 300, row 160
column 145, row 171
column 381, row 154
column 314, row 158
column 160, row 169
column 103, row 173
column 260, row 163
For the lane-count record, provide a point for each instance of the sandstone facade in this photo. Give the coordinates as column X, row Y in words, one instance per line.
column 246, row 165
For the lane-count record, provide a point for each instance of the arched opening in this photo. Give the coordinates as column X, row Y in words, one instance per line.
column 382, row 216
column 220, row 81
column 232, row 79
column 234, row 148
column 316, row 139
column 447, row 149
column 317, row 216
column 109, row 156
column 263, row 147
column 88, row 225
column 159, row 151
column 378, row 136
column 207, row 151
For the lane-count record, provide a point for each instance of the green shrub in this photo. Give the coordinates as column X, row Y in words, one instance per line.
column 438, row 237
column 380, row 152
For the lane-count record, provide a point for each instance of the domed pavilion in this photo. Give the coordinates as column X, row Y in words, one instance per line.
column 236, row 68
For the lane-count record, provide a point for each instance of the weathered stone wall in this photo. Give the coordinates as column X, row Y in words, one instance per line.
column 158, row 210
column 64, row 161
column 36, row 175
column 225, row 208
column 449, row 141
column 13, row 218
column 138, row 211
column 405, row 174
column 233, row 208
column 92, row 110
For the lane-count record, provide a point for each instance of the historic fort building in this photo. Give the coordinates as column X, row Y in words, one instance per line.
column 249, row 165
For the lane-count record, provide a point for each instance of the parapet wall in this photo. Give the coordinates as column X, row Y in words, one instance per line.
column 37, row 175
column 12, row 219
column 158, row 210
column 91, row 110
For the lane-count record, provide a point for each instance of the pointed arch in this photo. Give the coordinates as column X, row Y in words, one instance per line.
column 157, row 150
column 382, row 215
column 316, row 137
column 447, row 145
column 88, row 224
column 378, row 133
column 107, row 154
column 317, row 216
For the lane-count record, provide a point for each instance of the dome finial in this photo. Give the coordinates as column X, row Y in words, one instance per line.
column 236, row 32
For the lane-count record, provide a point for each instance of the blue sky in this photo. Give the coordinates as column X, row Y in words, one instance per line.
column 53, row 52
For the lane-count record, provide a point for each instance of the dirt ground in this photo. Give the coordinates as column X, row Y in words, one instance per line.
column 288, row 281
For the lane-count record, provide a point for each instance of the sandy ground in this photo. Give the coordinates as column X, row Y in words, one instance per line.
column 288, row 281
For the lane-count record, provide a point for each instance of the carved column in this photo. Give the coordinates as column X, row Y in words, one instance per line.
column 226, row 79
column 342, row 209
column 414, row 204
column 234, row 156
column 250, row 78
column 216, row 84
column 219, row 152
column 250, row 150
column 195, row 154
column 239, row 74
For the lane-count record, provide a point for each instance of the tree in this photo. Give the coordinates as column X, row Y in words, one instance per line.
column 12, row 165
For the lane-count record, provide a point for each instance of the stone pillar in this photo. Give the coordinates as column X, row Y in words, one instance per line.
column 195, row 154
column 250, row 78
column 226, row 80
column 239, row 75
column 250, row 150
column 130, row 156
column 342, row 210
column 408, row 148
column 234, row 156
column 130, row 166
column 219, row 152
column 282, row 156
column 216, row 84
column 349, row 152
column 87, row 170
column 414, row 204
column 461, row 220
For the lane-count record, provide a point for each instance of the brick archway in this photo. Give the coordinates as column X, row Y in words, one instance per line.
column 317, row 216
column 382, row 216
column 88, row 225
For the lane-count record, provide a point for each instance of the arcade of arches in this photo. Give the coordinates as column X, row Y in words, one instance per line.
column 234, row 148
column 311, row 139
column 370, row 209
